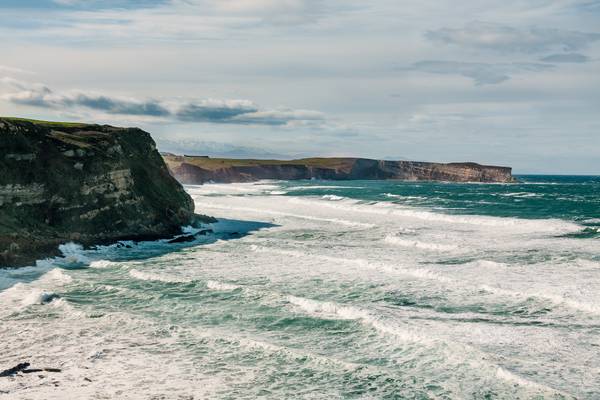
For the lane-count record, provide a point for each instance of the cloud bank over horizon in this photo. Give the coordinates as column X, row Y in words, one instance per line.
column 242, row 112
column 514, row 83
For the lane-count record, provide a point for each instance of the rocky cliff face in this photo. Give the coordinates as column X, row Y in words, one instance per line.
column 198, row 170
column 84, row 183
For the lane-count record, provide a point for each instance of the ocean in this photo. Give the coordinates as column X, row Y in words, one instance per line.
column 321, row 289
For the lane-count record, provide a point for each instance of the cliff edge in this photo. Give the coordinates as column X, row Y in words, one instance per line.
column 90, row 184
column 197, row 170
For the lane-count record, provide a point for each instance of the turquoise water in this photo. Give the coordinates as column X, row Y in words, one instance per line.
column 314, row 289
column 568, row 197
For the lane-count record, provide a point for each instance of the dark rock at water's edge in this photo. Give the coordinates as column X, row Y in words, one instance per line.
column 14, row 370
column 24, row 368
column 88, row 184
column 198, row 170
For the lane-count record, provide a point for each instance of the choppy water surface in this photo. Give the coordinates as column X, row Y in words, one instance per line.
column 327, row 290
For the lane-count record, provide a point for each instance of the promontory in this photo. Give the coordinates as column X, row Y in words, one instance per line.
column 196, row 170
column 89, row 184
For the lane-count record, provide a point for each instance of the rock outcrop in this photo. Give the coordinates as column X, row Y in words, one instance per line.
column 198, row 170
column 90, row 184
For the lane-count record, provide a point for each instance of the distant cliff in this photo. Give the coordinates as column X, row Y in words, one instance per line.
column 198, row 170
column 84, row 183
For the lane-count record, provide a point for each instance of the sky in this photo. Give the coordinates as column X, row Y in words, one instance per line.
column 513, row 83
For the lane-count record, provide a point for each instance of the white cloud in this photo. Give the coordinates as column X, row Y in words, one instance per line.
column 481, row 73
column 13, row 70
column 566, row 58
column 277, row 11
column 508, row 39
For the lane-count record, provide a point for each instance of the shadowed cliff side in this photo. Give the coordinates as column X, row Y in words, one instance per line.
column 90, row 184
column 198, row 170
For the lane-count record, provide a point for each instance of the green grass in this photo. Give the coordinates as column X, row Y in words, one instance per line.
column 46, row 123
column 218, row 163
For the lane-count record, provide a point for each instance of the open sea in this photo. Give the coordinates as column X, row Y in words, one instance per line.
column 326, row 290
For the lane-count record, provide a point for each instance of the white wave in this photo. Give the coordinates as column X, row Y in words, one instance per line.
column 487, row 264
column 20, row 296
column 287, row 214
column 261, row 249
column 277, row 192
column 394, row 210
column 332, row 197
column 189, row 230
column 426, row 274
column 395, row 240
column 38, row 296
column 253, row 344
column 55, row 277
column 320, row 307
column 360, row 264
column 587, row 263
column 508, row 376
column 398, row 196
column 556, row 299
column 323, row 187
column 221, row 286
column 334, row 310
column 330, row 309
column 297, row 354
column 41, row 291
column 521, row 195
column 73, row 253
column 149, row 276
column 103, row 264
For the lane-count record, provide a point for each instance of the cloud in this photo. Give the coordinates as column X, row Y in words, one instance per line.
column 507, row 39
column 245, row 113
column 66, row 2
column 141, row 21
column 281, row 117
column 242, row 112
column 566, row 58
column 99, row 4
column 39, row 95
column 12, row 70
column 481, row 73
column 216, row 111
column 274, row 11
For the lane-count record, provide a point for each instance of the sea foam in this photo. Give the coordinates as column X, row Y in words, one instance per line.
column 151, row 276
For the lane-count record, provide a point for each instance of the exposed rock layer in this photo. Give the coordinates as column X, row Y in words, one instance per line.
column 198, row 170
column 85, row 183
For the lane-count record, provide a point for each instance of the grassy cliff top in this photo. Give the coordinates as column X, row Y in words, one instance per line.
column 219, row 163
column 338, row 163
column 54, row 124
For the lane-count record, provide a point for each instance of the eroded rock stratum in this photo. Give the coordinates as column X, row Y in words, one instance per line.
column 84, row 183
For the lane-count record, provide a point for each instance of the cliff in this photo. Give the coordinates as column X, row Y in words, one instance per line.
column 90, row 184
column 198, row 170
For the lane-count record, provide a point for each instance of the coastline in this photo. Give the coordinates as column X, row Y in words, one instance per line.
column 337, row 279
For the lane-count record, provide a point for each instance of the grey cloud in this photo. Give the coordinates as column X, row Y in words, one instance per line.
column 116, row 106
column 481, row 73
column 241, row 112
column 566, row 58
column 244, row 113
column 508, row 39
column 215, row 111
column 45, row 98
column 280, row 117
